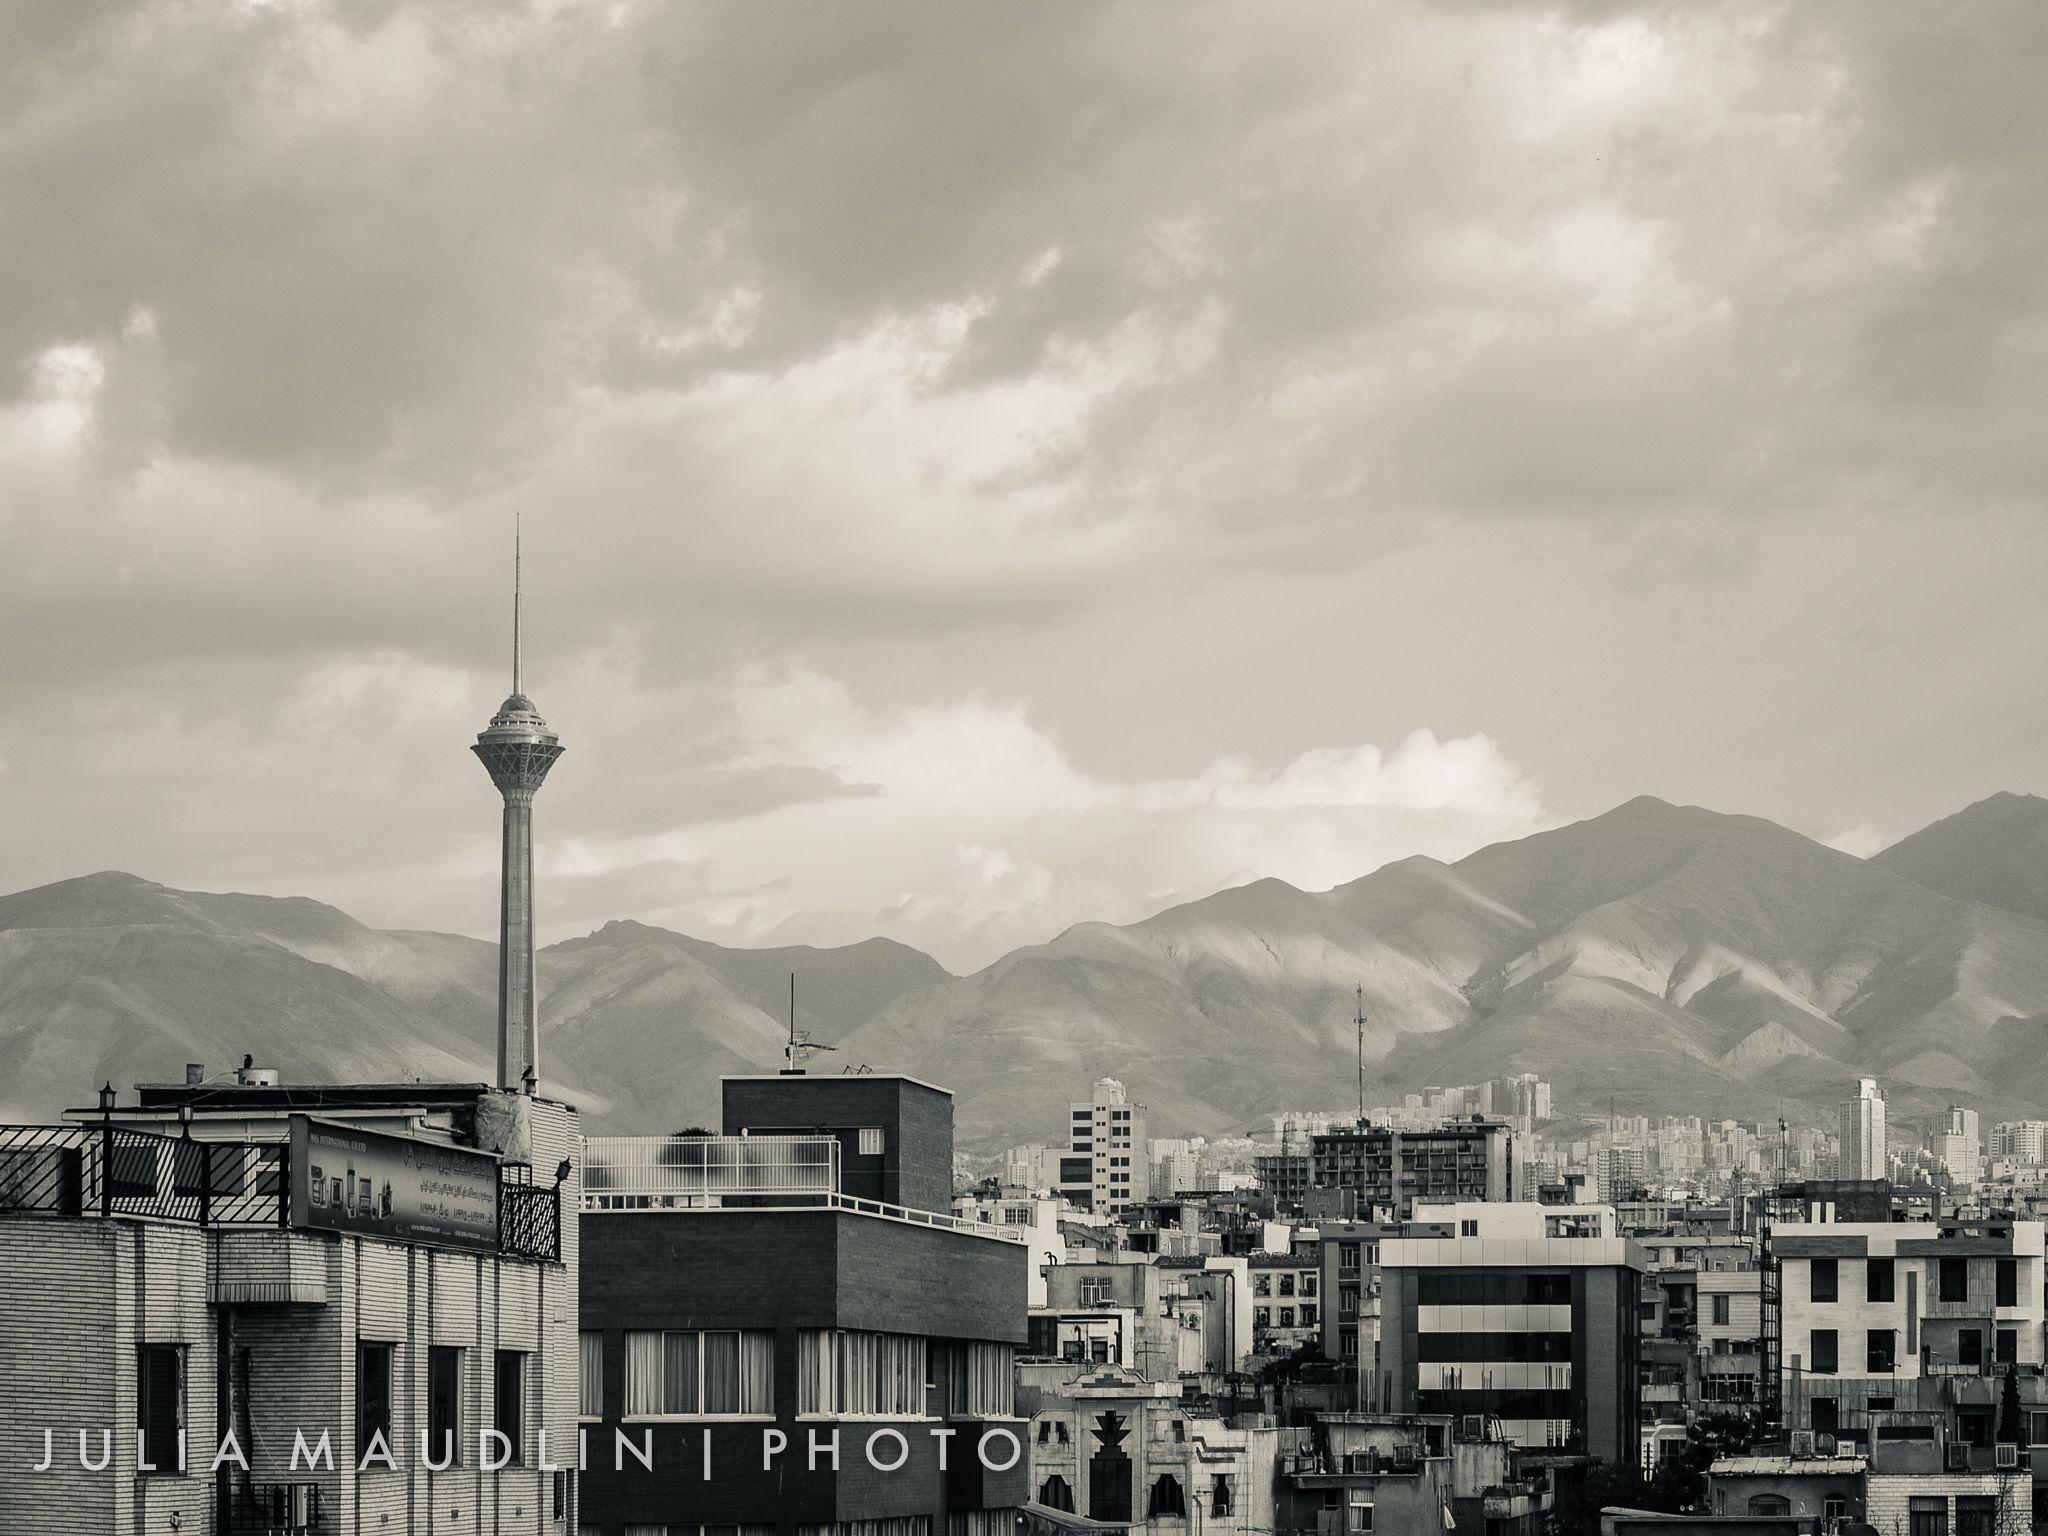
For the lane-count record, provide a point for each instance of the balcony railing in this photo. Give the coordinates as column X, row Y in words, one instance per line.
column 274, row 1509
column 529, row 1220
column 725, row 1173
column 73, row 1170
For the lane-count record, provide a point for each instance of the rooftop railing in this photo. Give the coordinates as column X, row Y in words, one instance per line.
column 724, row 1173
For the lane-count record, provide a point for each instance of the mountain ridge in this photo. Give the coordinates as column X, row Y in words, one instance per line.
column 1690, row 961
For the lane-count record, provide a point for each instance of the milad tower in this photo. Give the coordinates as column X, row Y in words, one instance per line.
column 517, row 751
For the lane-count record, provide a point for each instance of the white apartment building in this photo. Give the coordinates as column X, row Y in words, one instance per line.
column 1106, row 1167
column 1863, row 1152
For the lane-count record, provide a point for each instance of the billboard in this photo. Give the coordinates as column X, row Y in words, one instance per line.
column 350, row 1180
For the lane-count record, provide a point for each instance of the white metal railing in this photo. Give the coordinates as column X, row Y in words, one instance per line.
column 693, row 1167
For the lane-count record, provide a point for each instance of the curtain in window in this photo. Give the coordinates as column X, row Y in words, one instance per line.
column 1166, row 1498
column 592, row 1402
column 757, row 1373
column 815, row 1355
column 644, row 1373
column 721, row 1373
column 990, row 1381
column 681, row 1354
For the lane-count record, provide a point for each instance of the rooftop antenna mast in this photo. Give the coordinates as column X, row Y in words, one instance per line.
column 792, row 1053
column 516, row 565
column 1361, row 1054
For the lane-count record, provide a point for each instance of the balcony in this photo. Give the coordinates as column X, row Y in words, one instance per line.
column 684, row 1174
column 274, row 1509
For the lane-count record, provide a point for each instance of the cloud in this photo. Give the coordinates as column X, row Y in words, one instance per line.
column 980, row 834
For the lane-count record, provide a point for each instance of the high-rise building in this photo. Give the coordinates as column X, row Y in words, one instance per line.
column 1958, row 1147
column 1530, row 1314
column 517, row 750
column 1863, row 1154
column 2020, row 1141
column 1389, row 1171
column 1105, row 1167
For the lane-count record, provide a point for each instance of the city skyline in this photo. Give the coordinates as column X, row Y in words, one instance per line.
column 955, row 515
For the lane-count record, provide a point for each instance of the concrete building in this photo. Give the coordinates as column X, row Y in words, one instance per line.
column 1111, row 1448
column 1864, row 1154
column 770, row 1291
column 1036, row 1218
column 1368, row 1472
column 1958, row 1148
column 385, row 1273
column 1385, row 1173
column 1287, row 1301
column 1106, row 1167
column 1526, row 1314
column 2022, row 1142
column 1898, row 1316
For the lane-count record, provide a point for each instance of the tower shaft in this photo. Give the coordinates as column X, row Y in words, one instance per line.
column 518, row 1014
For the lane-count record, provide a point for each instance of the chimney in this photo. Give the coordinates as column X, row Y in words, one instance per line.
column 195, row 1073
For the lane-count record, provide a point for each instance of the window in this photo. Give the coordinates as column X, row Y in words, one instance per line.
column 2008, row 1346
column 2008, row 1296
column 702, row 1375
column 845, row 1374
column 2037, row 1429
column 444, row 1401
column 1308, row 1315
column 1834, row 1507
column 1220, row 1502
column 1769, row 1504
column 1822, row 1280
column 1286, row 1285
column 1360, row 1512
column 1347, row 1258
column 1720, row 1305
column 1095, row 1293
column 1057, row 1493
column 1881, row 1352
column 1308, row 1284
column 1825, row 1357
column 1166, row 1499
column 1970, row 1347
column 1955, row 1280
column 510, row 1417
column 1877, row 1281
column 1826, row 1413
column 160, row 1403
column 1927, row 1517
column 373, row 1396
column 1468, row 1227
column 591, row 1402
column 1262, row 1284
column 980, row 1380
column 871, row 1141
column 1976, row 1515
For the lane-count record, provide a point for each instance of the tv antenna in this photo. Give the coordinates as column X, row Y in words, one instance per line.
column 800, row 1043
column 1361, row 1054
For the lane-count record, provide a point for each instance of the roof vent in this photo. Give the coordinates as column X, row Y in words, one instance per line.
column 258, row 1077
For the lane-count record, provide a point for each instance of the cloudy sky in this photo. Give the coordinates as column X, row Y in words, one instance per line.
column 985, row 466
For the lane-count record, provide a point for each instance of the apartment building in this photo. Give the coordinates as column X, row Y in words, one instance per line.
column 1384, row 1173
column 1523, row 1313
column 794, row 1301
column 1893, row 1317
column 1864, row 1152
column 196, row 1287
column 1287, row 1300
column 1107, row 1165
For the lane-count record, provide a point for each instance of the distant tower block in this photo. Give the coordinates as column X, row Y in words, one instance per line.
column 517, row 751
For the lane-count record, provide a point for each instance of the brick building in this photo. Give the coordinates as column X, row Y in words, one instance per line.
column 1386, row 1172
column 247, row 1264
column 792, row 1286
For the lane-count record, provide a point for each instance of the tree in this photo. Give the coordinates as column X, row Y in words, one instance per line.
column 2010, row 1419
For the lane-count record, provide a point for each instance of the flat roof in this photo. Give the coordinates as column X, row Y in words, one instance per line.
column 832, row 1077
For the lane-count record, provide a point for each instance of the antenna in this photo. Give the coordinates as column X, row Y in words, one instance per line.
column 1361, row 1055
column 516, row 564
column 791, row 1053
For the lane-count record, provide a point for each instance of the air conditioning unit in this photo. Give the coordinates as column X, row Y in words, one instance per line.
column 1824, row 1445
column 1958, row 1459
column 1802, row 1442
column 2005, row 1456
column 1471, row 1427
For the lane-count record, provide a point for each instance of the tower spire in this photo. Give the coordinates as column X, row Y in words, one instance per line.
column 517, row 750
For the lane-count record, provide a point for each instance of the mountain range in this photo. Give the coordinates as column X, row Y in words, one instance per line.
column 1660, row 959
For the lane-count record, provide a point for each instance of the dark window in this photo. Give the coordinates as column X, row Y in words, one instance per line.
column 1955, row 1280
column 1720, row 1304
column 561, row 1494
column 1166, row 1499
column 1976, row 1515
column 1219, row 1494
column 1878, row 1280
column 160, row 1403
column 1970, row 1347
column 1826, row 1413
column 1882, row 1353
column 1822, row 1279
column 444, row 1401
column 373, row 1396
column 2008, row 1296
column 1927, row 1517
column 511, row 1404
column 1826, row 1358
column 1057, row 1493
column 2008, row 1346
